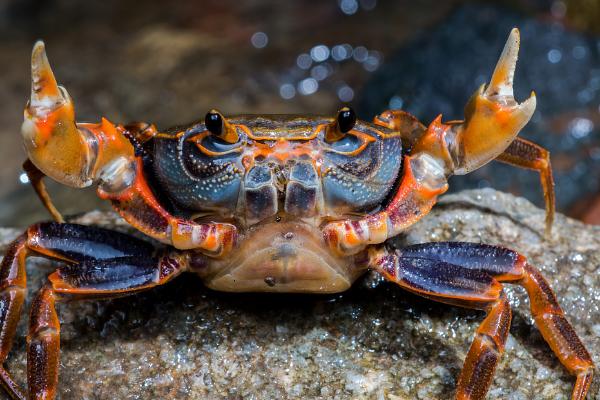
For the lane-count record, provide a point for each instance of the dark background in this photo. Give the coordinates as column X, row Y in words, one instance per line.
column 170, row 62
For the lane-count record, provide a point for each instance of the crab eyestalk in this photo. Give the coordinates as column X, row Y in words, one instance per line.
column 493, row 118
column 52, row 140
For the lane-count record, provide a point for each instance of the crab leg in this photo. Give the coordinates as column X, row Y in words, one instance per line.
column 36, row 177
column 67, row 242
column 13, row 288
column 99, row 264
column 469, row 275
column 81, row 154
column 525, row 154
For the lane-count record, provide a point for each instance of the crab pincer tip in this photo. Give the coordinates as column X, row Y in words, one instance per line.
column 501, row 83
column 38, row 45
column 527, row 108
column 43, row 83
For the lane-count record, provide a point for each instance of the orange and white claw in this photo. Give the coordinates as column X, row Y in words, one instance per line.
column 52, row 140
column 493, row 117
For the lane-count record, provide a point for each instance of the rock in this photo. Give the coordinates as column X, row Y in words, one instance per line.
column 375, row 341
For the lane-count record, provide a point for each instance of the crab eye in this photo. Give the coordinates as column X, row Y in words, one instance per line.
column 214, row 122
column 346, row 119
column 220, row 128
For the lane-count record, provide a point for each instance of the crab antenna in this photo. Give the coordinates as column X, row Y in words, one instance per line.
column 45, row 92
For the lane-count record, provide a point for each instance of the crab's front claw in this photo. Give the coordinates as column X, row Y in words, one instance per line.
column 52, row 140
column 493, row 117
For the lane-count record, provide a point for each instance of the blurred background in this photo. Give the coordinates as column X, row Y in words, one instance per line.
column 170, row 62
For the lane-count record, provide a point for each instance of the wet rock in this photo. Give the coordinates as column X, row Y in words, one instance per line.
column 438, row 72
column 375, row 341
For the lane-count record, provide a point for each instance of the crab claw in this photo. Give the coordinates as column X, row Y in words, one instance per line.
column 52, row 140
column 493, row 117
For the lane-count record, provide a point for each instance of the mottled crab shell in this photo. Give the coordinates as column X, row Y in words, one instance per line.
column 280, row 165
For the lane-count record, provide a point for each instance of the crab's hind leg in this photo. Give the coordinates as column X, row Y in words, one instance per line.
column 99, row 263
column 470, row 275
column 525, row 154
column 13, row 288
column 36, row 179
column 99, row 279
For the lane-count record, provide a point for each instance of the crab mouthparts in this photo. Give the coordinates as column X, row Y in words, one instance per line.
column 269, row 188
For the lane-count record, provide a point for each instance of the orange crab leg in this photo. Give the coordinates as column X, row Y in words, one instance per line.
column 469, row 275
column 525, row 154
column 43, row 346
column 36, row 179
column 13, row 288
column 43, row 339
column 99, row 264
column 485, row 352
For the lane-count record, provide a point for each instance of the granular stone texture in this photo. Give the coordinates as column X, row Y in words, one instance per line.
column 375, row 341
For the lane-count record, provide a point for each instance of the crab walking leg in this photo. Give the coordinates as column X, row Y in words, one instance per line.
column 36, row 177
column 492, row 121
column 13, row 288
column 469, row 275
column 80, row 155
column 70, row 243
column 525, row 154
column 90, row 279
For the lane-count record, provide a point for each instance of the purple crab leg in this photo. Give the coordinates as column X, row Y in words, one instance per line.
column 470, row 275
column 98, row 263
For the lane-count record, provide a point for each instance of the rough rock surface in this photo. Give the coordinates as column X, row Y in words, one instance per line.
column 376, row 341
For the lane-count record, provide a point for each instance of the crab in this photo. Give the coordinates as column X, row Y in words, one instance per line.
column 276, row 203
